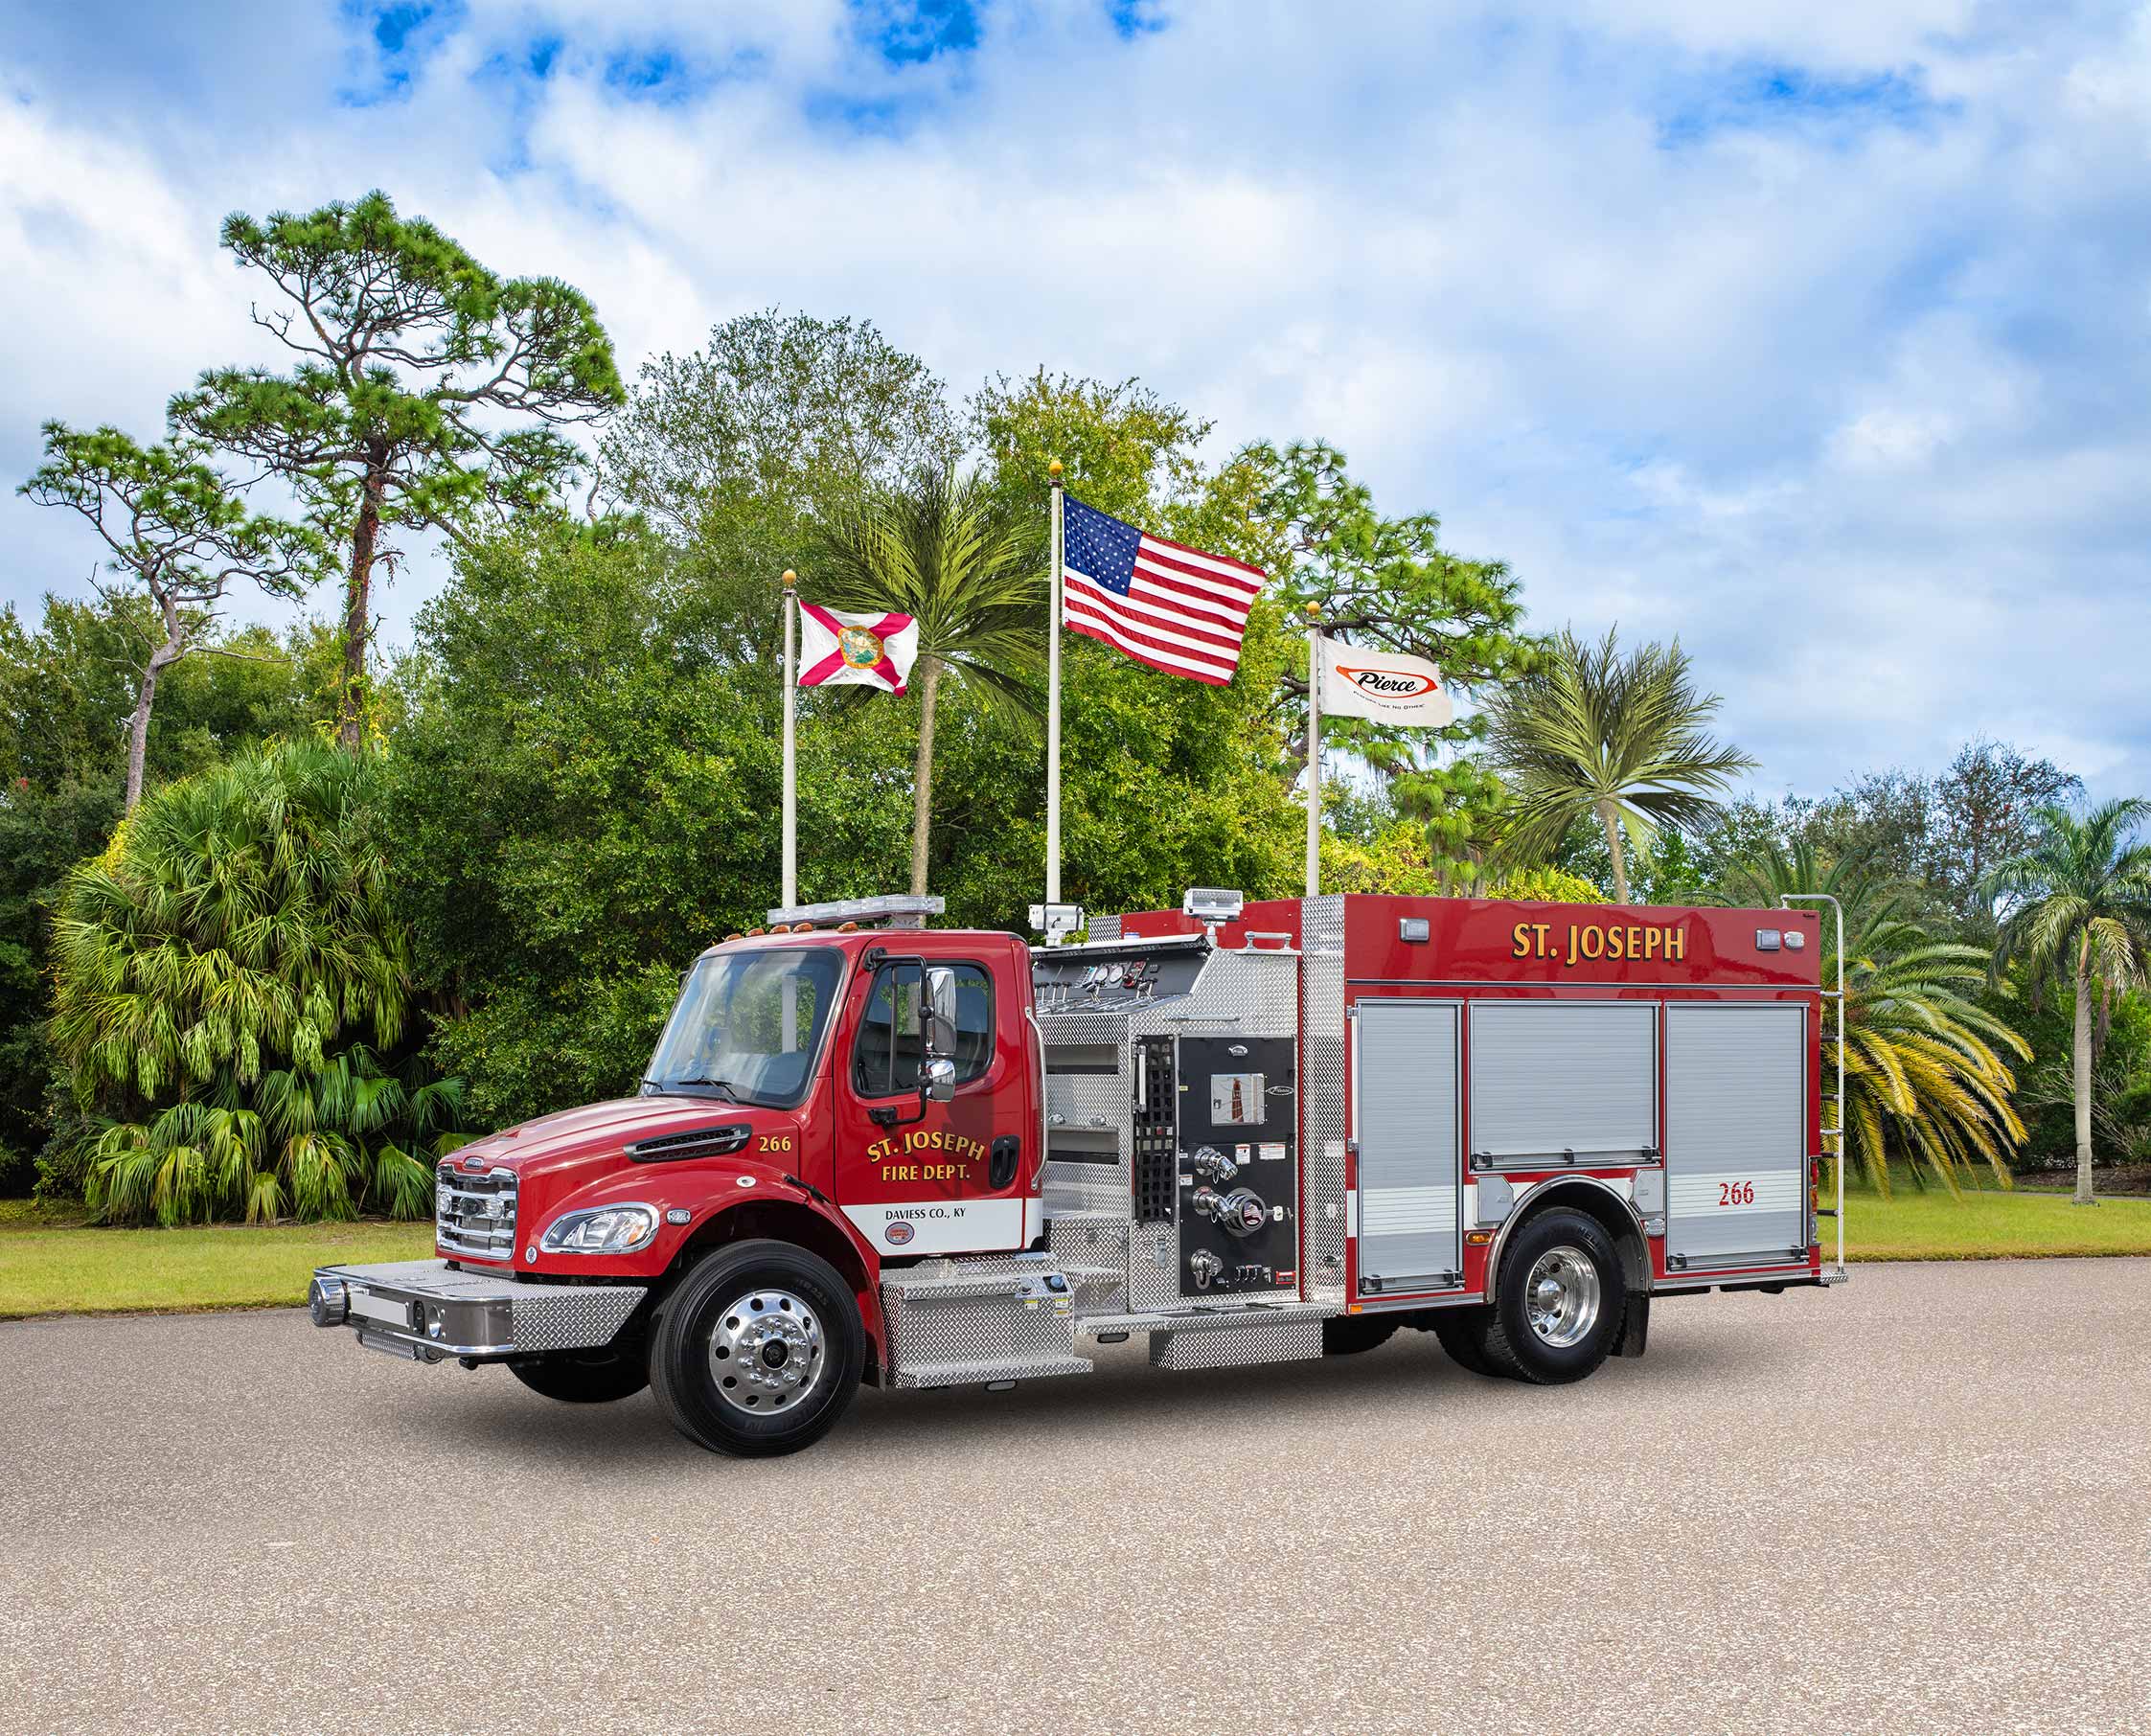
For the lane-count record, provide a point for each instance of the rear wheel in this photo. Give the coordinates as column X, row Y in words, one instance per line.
column 758, row 1350
column 584, row 1377
column 1558, row 1302
column 1462, row 1333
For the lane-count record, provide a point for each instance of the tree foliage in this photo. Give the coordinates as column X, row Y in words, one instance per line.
column 1923, row 1076
column 1624, row 739
column 944, row 551
column 174, row 527
column 426, row 389
column 734, row 449
column 231, row 982
column 2077, row 908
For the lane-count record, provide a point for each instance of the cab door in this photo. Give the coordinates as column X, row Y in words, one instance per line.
column 917, row 1177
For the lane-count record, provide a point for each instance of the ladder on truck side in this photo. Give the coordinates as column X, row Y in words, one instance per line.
column 1838, row 1274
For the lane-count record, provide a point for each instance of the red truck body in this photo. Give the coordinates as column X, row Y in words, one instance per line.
column 1253, row 1133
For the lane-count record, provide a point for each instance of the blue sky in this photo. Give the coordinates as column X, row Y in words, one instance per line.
column 1820, row 335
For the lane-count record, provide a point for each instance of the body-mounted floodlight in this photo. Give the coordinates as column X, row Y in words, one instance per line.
column 1213, row 904
column 1057, row 922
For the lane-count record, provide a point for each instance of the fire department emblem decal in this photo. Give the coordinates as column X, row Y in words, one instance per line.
column 898, row 1233
column 859, row 647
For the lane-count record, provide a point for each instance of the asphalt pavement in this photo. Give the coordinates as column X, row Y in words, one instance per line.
column 1921, row 1502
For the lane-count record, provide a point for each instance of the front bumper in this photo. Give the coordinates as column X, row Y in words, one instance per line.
column 427, row 1310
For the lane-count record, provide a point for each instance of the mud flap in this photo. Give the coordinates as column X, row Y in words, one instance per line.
column 1635, row 1326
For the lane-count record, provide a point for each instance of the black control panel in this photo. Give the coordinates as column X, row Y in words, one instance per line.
column 1082, row 979
column 1237, row 1165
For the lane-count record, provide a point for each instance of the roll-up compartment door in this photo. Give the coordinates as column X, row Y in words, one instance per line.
column 1550, row 1077
column 1404, row 1116
column 1735, row 1130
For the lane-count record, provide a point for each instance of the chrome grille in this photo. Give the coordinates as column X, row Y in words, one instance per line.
column 474, row 1215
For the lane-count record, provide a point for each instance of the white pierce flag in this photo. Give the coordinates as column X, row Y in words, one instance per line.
column 1385, row 687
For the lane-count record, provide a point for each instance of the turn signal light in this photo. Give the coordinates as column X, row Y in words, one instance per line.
column 1477, row 1238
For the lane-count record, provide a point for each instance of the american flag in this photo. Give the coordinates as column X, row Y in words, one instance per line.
column 1163, row 604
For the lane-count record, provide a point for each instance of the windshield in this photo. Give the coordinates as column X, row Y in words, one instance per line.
column 747, row 1026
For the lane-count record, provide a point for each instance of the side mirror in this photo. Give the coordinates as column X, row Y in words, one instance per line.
column 939, row 1080
column 937, row 1017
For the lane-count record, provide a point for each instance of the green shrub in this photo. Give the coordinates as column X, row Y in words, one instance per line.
column 233, row 1002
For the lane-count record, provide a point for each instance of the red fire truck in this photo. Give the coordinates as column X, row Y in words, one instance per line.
column 871, row 1150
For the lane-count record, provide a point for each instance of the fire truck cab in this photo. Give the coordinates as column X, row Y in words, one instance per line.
column 868, row 1149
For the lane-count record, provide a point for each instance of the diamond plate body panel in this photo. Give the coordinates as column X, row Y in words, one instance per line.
column 573, row 1319
column 1238, row 1345
column 1152, row 1265
column 1094, row 1255
column 951, row 1322
column 1105, row 928
column 1094, row 1101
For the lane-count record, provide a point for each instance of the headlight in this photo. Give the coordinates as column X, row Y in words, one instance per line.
column 606, row 1229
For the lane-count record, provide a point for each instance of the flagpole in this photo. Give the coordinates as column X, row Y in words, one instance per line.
column 1053, row 712
column 791, row 760
column 1313, row 749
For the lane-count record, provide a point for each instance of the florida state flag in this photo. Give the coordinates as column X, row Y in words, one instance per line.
column 837, row 647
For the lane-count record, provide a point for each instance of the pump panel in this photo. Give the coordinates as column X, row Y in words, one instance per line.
column 1237, row 1156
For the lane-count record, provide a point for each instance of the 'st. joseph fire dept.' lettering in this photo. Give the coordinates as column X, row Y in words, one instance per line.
column 1642, row 943
column 963, row 1150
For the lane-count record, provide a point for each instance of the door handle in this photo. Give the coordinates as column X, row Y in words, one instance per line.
column 1001, row 1169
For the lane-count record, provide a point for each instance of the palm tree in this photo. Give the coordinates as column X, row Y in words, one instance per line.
column 216, row 974
column 1923, row 1074
column 2079, row 908
column 1622, row 738
column 944, row 551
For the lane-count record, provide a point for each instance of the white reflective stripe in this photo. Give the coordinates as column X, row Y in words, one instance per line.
column 1471, row 1202
column 1034, row 1220
column 941, row 1226
column 1351, row 1211
column 1397, row 1211
column 380, row 1307
column 1702, row 1195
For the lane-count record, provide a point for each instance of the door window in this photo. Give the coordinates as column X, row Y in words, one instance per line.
column 897, row 994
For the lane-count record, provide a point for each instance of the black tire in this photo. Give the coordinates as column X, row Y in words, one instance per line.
column 1462, row 1333
column 584, row 1377
column 1348, row 1335
column 1509, row 1340
column 802, row 1305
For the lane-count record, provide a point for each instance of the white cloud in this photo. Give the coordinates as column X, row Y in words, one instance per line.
column 1814, row 334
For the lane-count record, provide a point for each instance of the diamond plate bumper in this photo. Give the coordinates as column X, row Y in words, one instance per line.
column 426, row 1311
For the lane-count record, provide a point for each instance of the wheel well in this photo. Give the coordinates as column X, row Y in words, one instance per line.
column 1596, row 1201
column 785, row 1220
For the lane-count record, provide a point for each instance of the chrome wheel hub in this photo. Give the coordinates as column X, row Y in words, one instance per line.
column 766, row 1352
column 1561, row 1294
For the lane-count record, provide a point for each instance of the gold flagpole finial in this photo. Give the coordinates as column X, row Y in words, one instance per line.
column 1314, row 611
column 790, row 578
column 1053, row 469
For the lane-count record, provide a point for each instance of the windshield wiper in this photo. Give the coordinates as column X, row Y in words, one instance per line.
column 725, row 1086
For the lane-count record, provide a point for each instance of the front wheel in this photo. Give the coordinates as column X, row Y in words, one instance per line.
column 758, row 1350
column 584, row 1377
column 1558, row 1302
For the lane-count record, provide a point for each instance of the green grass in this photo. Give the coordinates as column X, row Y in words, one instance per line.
column 50, row 1264
column 1984, row 1225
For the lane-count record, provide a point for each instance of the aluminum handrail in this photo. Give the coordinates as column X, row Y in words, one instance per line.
column 1837, row 1132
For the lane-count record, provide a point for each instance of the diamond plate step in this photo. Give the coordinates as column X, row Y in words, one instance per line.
column 973, row 1374
column 1089, row 1326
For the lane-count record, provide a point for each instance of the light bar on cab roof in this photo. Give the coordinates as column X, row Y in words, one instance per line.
column 890, row 911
